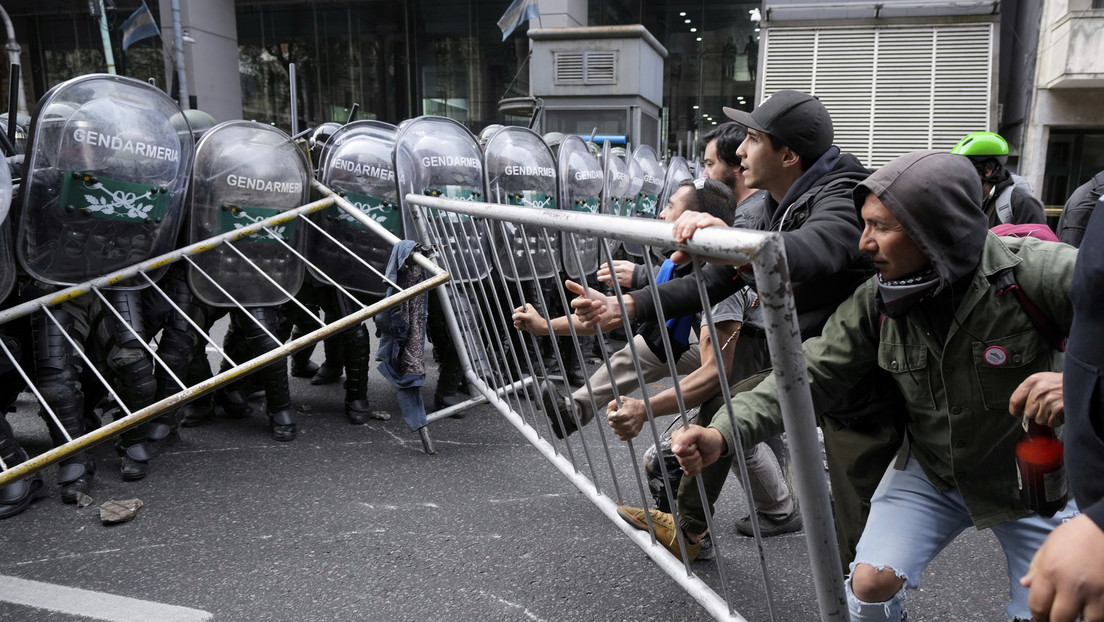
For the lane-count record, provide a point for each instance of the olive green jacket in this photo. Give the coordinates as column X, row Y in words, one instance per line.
column 956, row 392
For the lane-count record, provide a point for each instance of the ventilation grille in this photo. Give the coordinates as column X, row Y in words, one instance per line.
column 590, row 67
column 889, row 89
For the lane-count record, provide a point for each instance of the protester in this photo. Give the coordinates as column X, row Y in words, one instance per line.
column 1078, row 208
column 713, row 198
column 1006, row 197
column 789, row 153
column 933, row 319
column 1066, row 577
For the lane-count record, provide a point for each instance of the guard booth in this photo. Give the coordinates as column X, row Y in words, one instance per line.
column 606, row 80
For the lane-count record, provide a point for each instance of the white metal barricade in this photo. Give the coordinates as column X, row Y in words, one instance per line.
column 507, row 369
column 238, row 369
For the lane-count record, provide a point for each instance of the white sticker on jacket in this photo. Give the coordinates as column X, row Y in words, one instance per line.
column 995, row 356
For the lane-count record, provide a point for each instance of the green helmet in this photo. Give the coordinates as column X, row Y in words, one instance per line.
column 982, row 146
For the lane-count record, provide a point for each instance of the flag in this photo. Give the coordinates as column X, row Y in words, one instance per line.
column 138, row 26
column 518, row 12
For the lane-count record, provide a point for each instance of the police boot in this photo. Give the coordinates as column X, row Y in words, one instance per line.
column 278, row 398
column 234, row 402
column 301, row 364
column 16, row 496
column 198, row 412
column 357, row 353
column 74, row 476
column 134, row 454
column 163, row 432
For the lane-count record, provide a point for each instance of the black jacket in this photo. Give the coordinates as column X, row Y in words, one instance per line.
column 1075, row 214
column 1084, row 378
column 821, row 231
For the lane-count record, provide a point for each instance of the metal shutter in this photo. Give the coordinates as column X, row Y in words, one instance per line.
column 889, row 89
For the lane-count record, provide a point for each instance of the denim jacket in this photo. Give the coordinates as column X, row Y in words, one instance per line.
column 402, row 342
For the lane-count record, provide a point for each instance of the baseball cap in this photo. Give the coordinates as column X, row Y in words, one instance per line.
column 797, row 119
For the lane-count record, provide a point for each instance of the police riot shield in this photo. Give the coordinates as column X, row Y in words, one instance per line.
column 647, row 196
column 105, row 180
column 357, row 164
column 581, row 183
column 615, row 197
column 678, row 169
column 247, row 171
column 7, row 259
column 438, row 157
column 521, row 170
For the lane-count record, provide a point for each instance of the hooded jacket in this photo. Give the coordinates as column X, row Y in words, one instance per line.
column 956, row 388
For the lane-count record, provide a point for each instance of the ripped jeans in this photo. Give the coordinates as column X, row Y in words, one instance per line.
column 911, row 522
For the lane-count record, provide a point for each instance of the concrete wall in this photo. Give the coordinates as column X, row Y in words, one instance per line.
column 211, row 63
column 1067, row 91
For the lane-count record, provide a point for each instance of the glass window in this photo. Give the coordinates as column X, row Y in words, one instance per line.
column 1073, row 157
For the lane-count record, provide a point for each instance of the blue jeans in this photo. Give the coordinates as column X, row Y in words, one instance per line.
column 911, row 522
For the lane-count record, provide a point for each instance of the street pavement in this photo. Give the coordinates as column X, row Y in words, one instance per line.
column 354, row 523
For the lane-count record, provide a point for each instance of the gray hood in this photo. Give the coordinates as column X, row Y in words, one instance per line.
column 936, row 196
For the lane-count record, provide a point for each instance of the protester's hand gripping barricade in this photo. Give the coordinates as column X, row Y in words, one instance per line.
column 106, row 174
column 357, row 163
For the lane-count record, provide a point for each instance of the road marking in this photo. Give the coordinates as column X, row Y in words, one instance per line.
column 96, row 605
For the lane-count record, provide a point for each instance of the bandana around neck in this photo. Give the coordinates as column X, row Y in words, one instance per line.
column 900, row 296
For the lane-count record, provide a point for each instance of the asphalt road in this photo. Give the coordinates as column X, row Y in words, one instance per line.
column 353, row 523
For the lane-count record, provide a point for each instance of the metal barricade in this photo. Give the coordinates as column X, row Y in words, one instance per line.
column 238, row 369
column 507, row 370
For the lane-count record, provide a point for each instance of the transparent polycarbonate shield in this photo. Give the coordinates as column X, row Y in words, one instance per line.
column 7, row 260
column 617, row 181
column 646, row 171
column 521, row 170
column 357, row 163
column 581, row 183
column 648, row 198
column 615, row 200
column 247, row 171
column 677, row 170
column 7, row 257
column 106, row 176
column 438, row 157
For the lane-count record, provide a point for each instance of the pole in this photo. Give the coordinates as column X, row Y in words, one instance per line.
column 12, row 46
column 109, row 56
column 178, row 56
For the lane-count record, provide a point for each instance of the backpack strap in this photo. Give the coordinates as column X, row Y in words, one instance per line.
column 1004, row 204
column 1006, row 282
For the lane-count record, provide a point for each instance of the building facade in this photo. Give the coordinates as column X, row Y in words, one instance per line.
column 897, row 74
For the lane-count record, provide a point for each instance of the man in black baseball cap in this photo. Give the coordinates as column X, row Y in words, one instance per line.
column 796, row 119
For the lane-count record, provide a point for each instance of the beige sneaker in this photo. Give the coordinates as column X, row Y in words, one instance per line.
column 665, row 532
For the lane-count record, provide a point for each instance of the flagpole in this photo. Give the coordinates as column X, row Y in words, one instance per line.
column 109, row 56
column 178, row 43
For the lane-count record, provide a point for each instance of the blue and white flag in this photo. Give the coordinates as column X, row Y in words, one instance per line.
column 519, row 11
column 138, row 26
